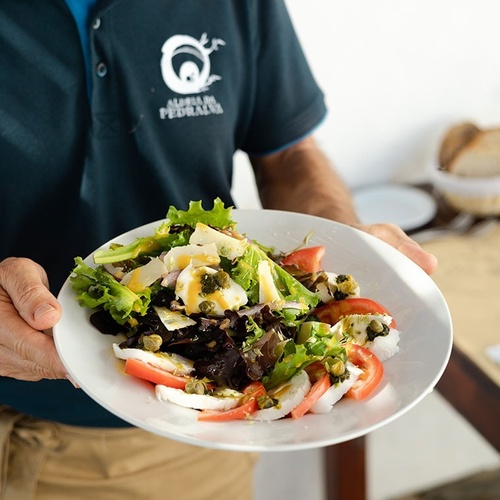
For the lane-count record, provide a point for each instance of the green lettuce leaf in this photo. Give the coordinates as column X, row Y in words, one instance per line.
column 245, row 274
column 154, row 245
column 294, row 358
column 219, row 216
column 96, row 288
column 315, row 342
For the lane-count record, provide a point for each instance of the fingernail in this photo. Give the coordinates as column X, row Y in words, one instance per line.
column 42, row 310
column 70, row 378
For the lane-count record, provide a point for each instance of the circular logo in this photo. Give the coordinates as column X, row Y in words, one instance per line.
column 185, row 63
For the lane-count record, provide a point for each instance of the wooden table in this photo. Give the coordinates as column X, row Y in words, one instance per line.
column 471, row 382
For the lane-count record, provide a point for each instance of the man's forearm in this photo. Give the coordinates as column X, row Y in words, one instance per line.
column 301, row 179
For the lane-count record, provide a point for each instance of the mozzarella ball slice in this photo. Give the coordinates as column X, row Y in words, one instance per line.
column 325, row 293
column 190, row 289
column 230, row 400
column 179, row 258
column 337, row 391
column 172, row 363
column 385, row 347
column 289, row 395
column 227, row 246
column 354, row 327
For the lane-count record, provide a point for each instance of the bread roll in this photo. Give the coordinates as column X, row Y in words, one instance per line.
column 479, row 157
column 454, row 141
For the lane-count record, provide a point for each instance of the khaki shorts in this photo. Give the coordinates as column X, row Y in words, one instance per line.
column 46, row 461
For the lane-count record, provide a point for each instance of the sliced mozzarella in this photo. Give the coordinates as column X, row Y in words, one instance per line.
column 354, row 326
column 188, row 288
column 141, row 277
column 173, row 320
column 227, row 246
column 324, row 292
column 288, row 394
column 385, row 347
column 267, row 289
column 172, row 363
column 337, row 391
column 198, row 255
column 229, row 400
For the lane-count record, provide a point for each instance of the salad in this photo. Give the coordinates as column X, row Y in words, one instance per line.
column 223, row 324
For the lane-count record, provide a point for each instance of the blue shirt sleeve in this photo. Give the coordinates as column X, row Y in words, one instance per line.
column 288, row 103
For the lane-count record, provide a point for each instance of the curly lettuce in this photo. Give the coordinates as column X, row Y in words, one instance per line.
column 219, row 216
column 96, row 288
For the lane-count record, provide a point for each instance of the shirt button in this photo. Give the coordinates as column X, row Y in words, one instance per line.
column 97, row 23
column 101, row 69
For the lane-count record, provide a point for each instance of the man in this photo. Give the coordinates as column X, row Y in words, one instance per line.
column 111, row 111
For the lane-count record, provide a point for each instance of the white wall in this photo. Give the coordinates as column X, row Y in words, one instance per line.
column 396, row 74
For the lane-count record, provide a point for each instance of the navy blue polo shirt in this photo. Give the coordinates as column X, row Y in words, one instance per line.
column 177, row 87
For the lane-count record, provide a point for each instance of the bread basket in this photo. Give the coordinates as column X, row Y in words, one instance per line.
column 479, row 196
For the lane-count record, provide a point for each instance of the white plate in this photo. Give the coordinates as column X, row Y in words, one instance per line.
column 383, row 274
column 406, row 206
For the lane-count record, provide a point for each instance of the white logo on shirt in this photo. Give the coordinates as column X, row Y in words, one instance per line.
column 185, row 63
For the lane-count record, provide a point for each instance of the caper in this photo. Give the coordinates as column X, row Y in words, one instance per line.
column 265, row 402
column 376, row 329
column 222, row 279
column 196, row 386
column 152, row 342
column 337, row 369
column 376, row 326
column 206, row 306
column 347, row 284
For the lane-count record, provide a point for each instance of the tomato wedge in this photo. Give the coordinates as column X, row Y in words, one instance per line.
column 248, row 406
column 143, row 370
column 331, row 313
column 321, row 383
column 373, row 371
column 306, row 259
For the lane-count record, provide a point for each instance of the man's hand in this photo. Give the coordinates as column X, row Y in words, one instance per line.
column 397, row 238
column 27, row 310
column 301, row 179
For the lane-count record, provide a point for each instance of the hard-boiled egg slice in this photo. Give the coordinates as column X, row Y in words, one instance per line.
column 190, row 289
column 142, row 277
column 289, row 395
column 336, row 391
column 198, row 255
column 227, row 400
column 227, row 246
column 172, row 363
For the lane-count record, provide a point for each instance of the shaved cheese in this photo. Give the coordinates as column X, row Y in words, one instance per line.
column 227, row 246
column 142, row 277
column 267, row 289
column 173, row 320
